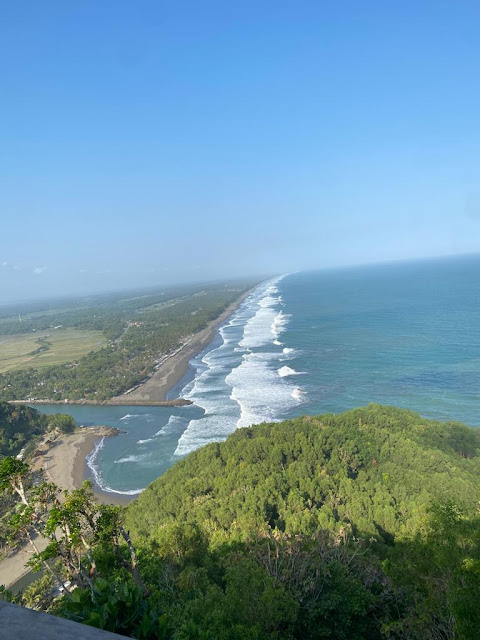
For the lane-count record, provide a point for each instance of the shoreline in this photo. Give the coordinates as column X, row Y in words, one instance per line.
column 66, row 463
column 175, row 365
column 116, row 402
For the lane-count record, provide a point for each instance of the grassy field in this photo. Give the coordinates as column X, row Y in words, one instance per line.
column 45, row 348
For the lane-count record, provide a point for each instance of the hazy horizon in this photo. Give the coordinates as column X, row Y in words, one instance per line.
column 147, row 145
column 155, row 286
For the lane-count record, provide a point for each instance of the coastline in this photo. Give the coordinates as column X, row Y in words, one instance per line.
column 172, row 370
column 65, row 463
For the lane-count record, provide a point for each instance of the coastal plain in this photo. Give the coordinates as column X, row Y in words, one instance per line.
column 24, row 350
column 65, row 463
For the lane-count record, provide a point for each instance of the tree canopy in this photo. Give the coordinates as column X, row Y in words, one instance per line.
column 359, row 525
column 20, row 424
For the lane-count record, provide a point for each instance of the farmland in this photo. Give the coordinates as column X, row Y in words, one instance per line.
column 47, row 348
column 99, row 347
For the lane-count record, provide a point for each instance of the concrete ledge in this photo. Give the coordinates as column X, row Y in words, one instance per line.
column 18, row 623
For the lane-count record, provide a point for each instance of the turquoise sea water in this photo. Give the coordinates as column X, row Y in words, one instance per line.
column 305, row 343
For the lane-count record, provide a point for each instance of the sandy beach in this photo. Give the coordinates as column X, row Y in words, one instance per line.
column 65, row 462
column 176, row 365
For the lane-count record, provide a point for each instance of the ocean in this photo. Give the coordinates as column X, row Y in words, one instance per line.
column 405, row 334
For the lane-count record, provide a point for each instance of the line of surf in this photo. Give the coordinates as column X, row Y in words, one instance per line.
column 237, row 383
column 91, row 462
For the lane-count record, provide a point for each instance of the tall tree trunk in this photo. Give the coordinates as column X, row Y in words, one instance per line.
column 134, row 563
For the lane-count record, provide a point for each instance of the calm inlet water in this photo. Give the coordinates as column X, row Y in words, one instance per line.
column 307, row 343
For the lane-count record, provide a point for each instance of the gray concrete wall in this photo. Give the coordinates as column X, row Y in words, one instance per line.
column 18, row 623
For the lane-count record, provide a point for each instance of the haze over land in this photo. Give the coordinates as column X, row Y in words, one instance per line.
column 149, row 144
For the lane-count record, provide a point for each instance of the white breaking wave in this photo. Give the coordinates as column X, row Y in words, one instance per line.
column 131, row 458
column 298, row 393
column 257, row 389
column 279, row 323
column 288, row 371
column 288, row 350
column 241, row 369
column 256, row 386
column 174, row 423
column 130, row 415
column 91, row 459
column 209, row 392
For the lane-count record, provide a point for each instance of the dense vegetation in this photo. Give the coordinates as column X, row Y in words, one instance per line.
column 21, row 427
column 20, row 424
column 140, row 330
column 359, row 526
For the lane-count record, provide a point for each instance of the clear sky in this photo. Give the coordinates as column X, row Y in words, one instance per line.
column 153, row 142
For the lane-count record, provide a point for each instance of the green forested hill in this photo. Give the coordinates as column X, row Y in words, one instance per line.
column 376, row 469
column 359, row 525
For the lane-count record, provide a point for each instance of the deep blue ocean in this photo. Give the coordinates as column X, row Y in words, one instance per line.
column 405, row 334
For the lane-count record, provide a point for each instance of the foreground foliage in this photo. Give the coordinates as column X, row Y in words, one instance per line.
column 83, row 541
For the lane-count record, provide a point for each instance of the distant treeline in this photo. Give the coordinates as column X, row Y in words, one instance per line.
column 108, row 314
column 140, row 329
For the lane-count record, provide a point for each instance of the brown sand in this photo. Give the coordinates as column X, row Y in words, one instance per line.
column 65, row 463
column 175, row 367
column 12, row 567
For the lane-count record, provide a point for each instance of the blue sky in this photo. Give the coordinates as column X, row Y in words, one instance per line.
column 152, row 142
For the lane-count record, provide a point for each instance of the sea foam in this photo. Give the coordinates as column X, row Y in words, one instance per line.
column 242, row 369
column 131, row 458
column 255, row 383
column 209, row 392
column 288, row 371
column 249, row 328
column 297, row 393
